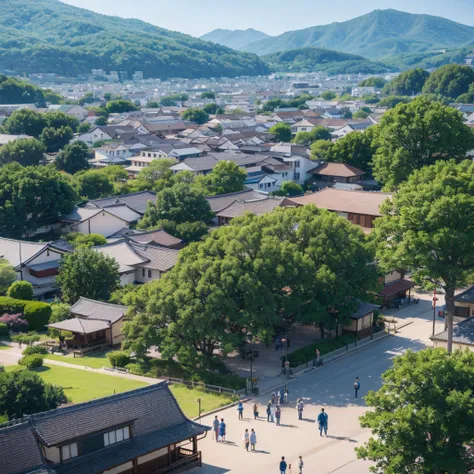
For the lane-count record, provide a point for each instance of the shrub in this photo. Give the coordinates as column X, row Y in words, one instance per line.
column 307, row 353
column 119, row 358
column 36, row 313
column 21, row 290
column 31, row 361
column 27, row 339
column 35, row 350
column 13, row 322
column 4, row 330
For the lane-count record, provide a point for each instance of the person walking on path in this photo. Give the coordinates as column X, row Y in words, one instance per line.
column 273, row 399
column 283, row 465
column 356, row 386
column 278, row 397
column 289, row 469
column 300, row 407
column 323, row 422
column 273, row 413
column 255, row 411
column 269, row 411
column 215, row 427
column 278, row 415
column 246, row 439
column 222, row 430
column 240, row 409
column 286, row 393
column 253, row 440
column 300, row 465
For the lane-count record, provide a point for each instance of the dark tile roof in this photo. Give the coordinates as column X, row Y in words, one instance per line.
column 467, row 296
column 262, row 206
column 463, row 333
column 80, row 326
column 136, row 201
column 88, row 308
column 151, row 409
column 159, row 237
column 19, row 451
column 364, row 309
column 397, row 286
column 159, row 258
column 221, row 201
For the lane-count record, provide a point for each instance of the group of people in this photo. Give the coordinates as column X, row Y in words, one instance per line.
column 284, row 466
column 218, row 429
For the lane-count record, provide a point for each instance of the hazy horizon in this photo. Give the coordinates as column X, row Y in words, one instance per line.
column 198, row 18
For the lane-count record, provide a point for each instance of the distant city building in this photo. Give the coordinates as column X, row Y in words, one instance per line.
column 138, row 76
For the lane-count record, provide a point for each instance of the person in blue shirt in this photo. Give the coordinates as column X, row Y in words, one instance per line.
column 283, row 465
column 323, row 422
column 356, row 386
column 240, row 409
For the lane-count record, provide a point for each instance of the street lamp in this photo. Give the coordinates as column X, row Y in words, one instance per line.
column 435, row 299
column 287, row 365
column 250, row 338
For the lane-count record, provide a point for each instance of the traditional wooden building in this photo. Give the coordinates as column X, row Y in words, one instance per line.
column 142, row 431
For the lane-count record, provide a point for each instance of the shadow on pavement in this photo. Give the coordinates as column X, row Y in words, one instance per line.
column 208, row 469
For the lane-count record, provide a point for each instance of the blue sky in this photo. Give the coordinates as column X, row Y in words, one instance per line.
column 197, row 17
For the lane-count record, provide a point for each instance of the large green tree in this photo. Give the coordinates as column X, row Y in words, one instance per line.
column 56, row 138
column 7, row 275
column 195, row 115
column 282, row 132
column 25, row 151
column 21, row 290
column 32, row 197
column 119, row 106
column 418, row 134
column 407, row 83
column 423, row 415
column 377, row 82
column 156, row 176
column 57, row 119
column 89, row 273
column 23, row 392
column 93, row 184
column 226, row 177
column 73, row 158
column 307, row 138
column 25, row 122
column 428, row 227
column 251, row 276
column 450, row 80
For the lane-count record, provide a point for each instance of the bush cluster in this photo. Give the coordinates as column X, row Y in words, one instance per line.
column 33, row 361
column 36, row 313
column 13, row 322
column 119, row 358
column 41, row 350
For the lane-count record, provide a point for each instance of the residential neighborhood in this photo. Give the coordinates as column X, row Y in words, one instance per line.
column 236, row 251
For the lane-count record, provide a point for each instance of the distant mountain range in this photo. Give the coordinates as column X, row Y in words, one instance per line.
column 235, row 39
column 377, row 35
column 50, row 36
column 318, row 59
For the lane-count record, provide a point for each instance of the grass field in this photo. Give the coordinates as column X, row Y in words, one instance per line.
column 4, row 347
column 95, row 361
column 188, row 400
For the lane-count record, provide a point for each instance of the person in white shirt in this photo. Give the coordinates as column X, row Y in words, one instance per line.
column 300, row 465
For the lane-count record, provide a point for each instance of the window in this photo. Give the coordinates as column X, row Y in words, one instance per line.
column 149, row 273
column 69, row 451
column 116, row 436
column 297, row 164
column 297, row 176
column 143, row 272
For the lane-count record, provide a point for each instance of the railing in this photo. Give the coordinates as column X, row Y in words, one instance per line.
column 211, row 388
column 88, row 350
column 188, row 462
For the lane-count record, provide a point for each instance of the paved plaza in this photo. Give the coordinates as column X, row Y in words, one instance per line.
column 329, row 387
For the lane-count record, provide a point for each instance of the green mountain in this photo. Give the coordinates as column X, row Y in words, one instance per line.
column 235, row 39
column 50, row 36
column 375, row 35
column 317, row 59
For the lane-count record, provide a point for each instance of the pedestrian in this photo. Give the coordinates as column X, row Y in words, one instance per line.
column 277, row 344
column 300, row 407
column 273, row 398
column 240, row 409
column 278, row 415
column 253, row 440
column 246, row 439
column 269, row 411
column 283, row 465
column 300, row 464
column 286, row 393
column 356, row 386
column 323, row 422
column 289, row 469
column 255, row 411
column 319, row 359
column 278, row 397
column 273, row 413
column 215, row 427
column 222, row 427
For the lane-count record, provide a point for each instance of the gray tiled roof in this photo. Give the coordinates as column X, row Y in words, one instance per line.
column 88, row 308
column 19, row 451
column 158, row 236
column 136, row 201
column 159, row 258
column 81, row 326
column 220, row 202
column 364, row 309
column 262, row 206
column 463, row 333
column 80, row 214
column 467, row 296
column 151, row 409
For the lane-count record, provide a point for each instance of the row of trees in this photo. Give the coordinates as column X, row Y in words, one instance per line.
column 250, row 277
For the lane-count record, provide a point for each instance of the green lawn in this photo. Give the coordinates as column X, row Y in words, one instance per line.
column 4, row 347
column 188, row 400
column 95, row 361
column 81, row 385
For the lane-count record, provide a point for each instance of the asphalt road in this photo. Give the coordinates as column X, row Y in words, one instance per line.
column 330, row 387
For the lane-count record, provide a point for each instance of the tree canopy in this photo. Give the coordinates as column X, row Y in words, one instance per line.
column 23, row 392
column 423, row 415
column 195, row 115
column 428, row 227
column 450, row 80
column 21, row 290
column 119, row 106
column 208, row 95
column 407, row 83
column 282, row 132
column 73, row 158
column 418, row 134
column 251, row 276
column 93, row 184
column 7, row 275
column 88, row 273
column 307, row 138
column 56, row 138
column 226, row 177
column 16, row 91
column 377, row 82
column 289, row 188
column 32, row 197
column 25, row 151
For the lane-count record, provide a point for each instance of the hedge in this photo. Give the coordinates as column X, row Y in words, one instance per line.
column 119, row 358
column 4, row 330
column 31, row 361
column 325, row 346
column 30, row 350
column 36, row 313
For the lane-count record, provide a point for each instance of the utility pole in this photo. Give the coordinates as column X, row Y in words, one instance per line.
column 435, row 299
column 199, row 404
column 287, row 365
